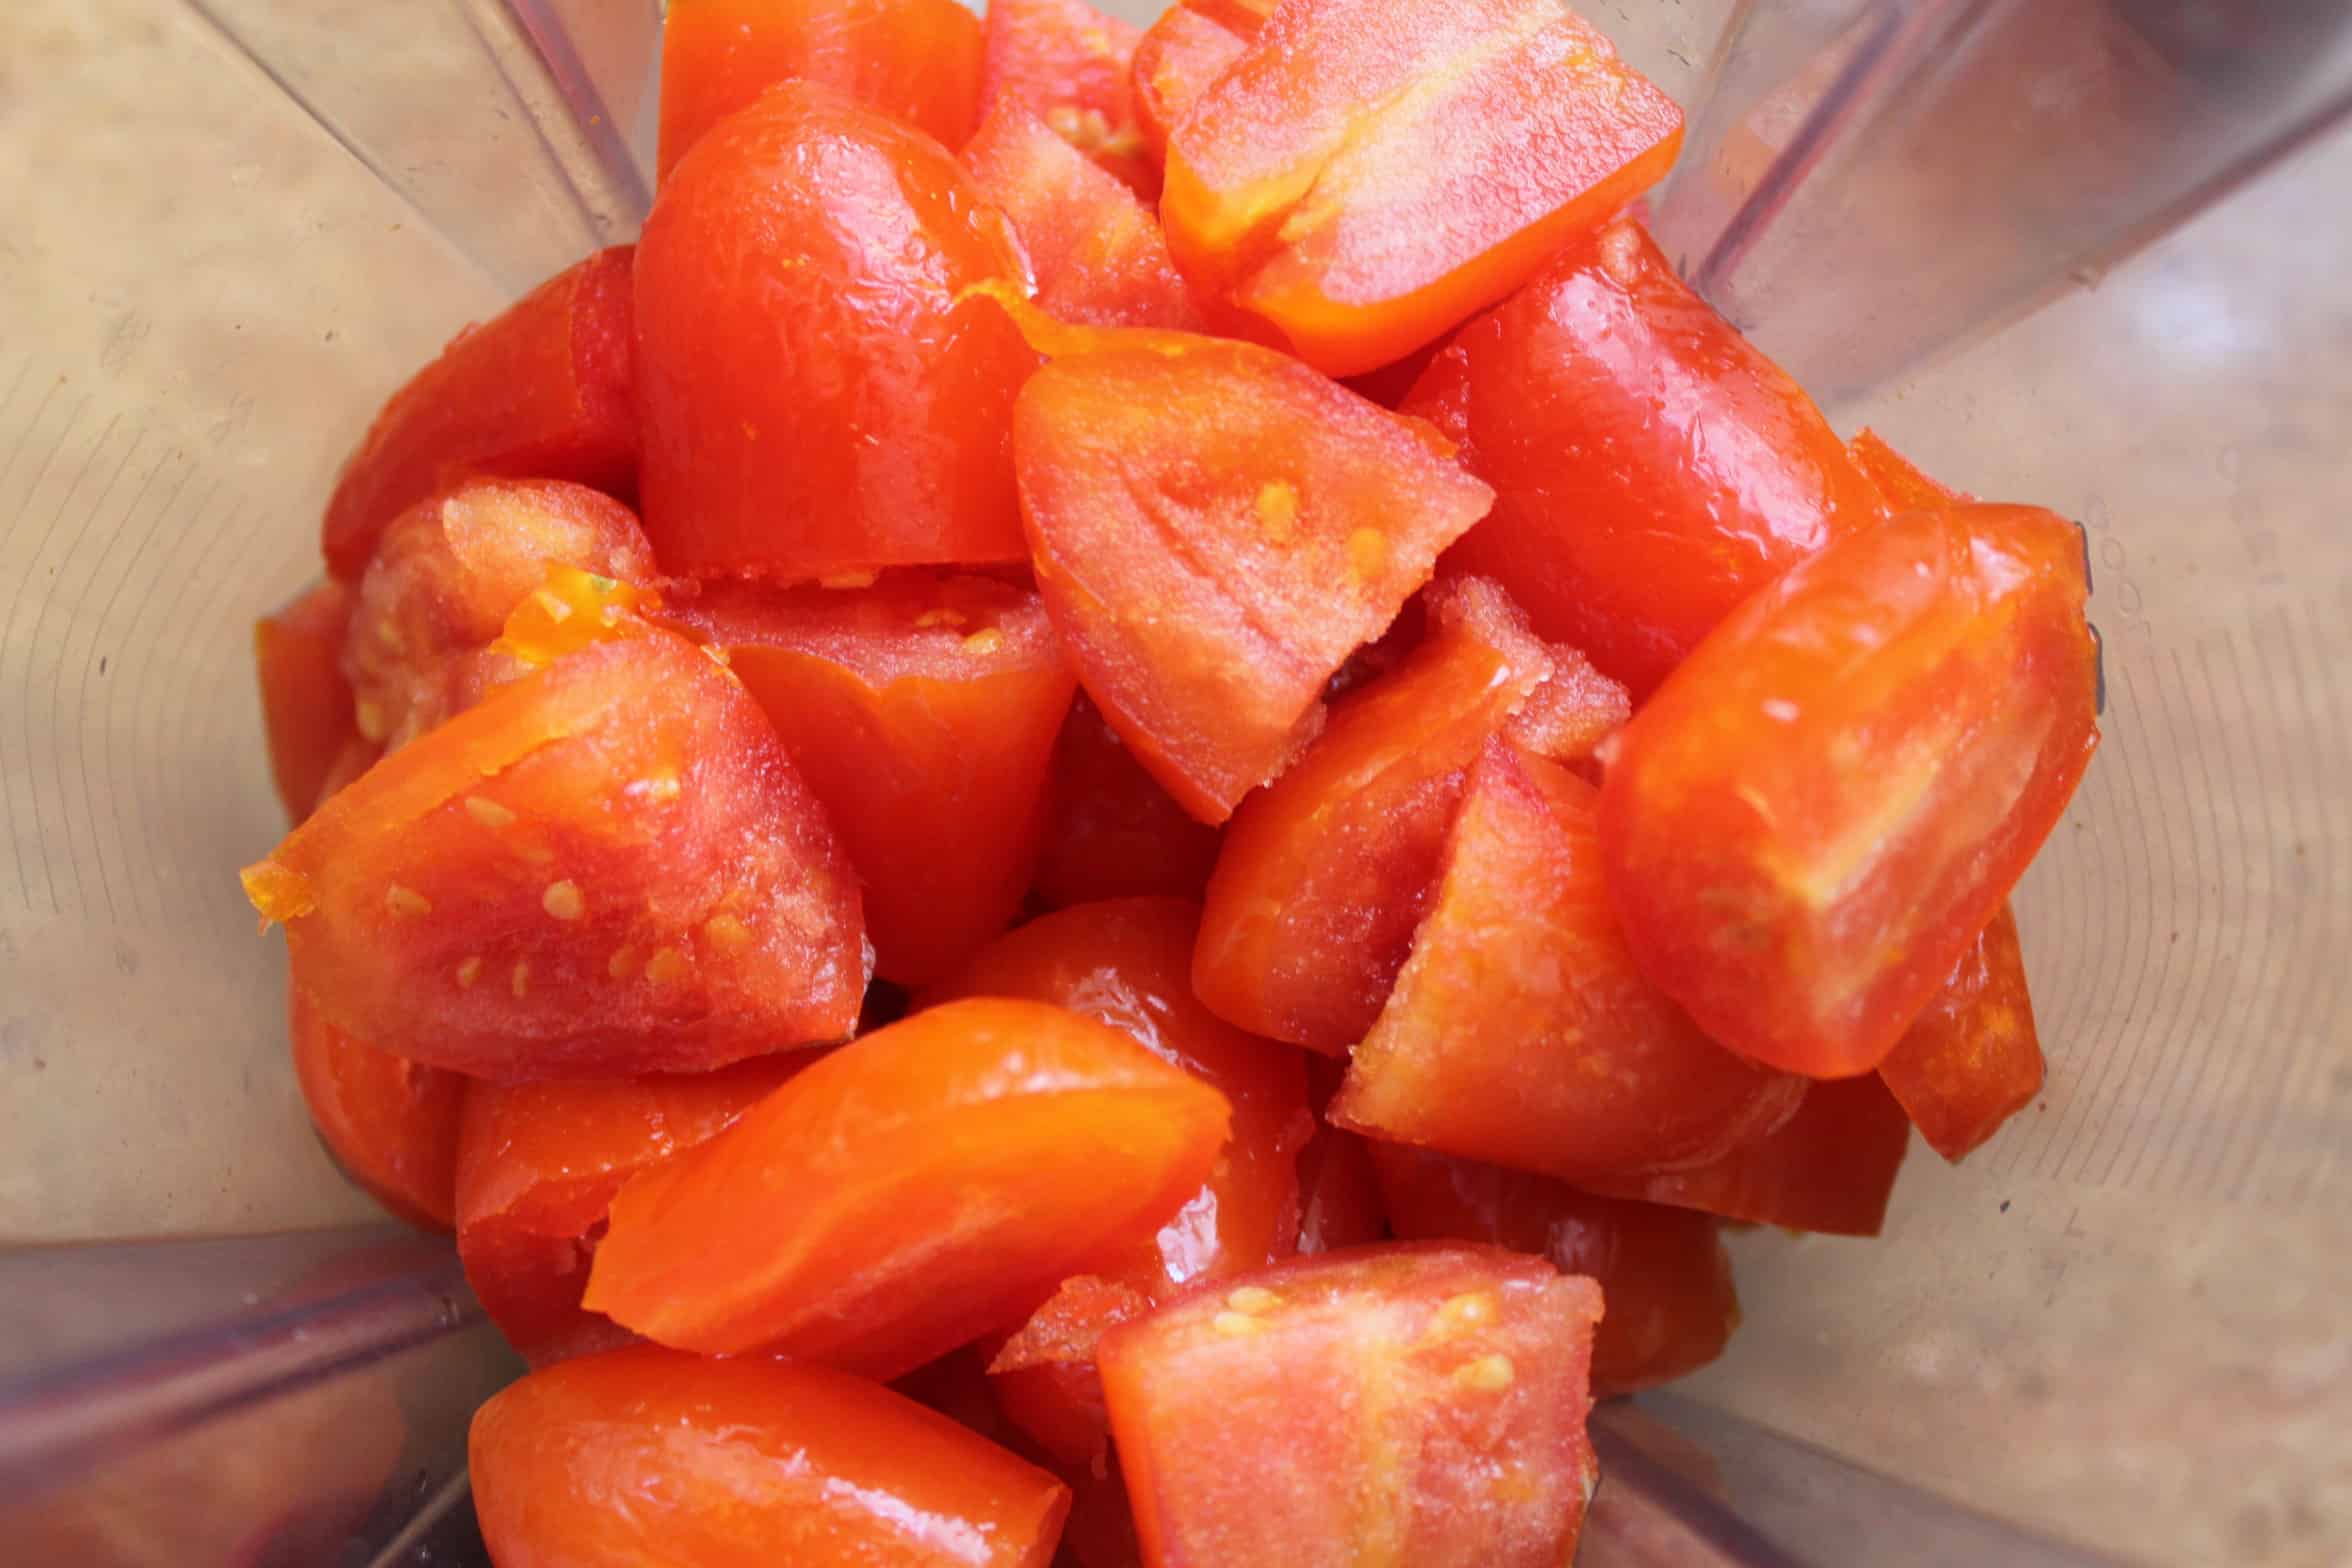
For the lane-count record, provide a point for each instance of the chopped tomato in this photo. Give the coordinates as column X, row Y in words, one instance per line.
column 1068, row 63
column 357, row 756
column 546, row 390
column 643, row 1455
column 1324, row 873
column 1181, row 53
column 1215, row 528
column 1812, row 820
column 537, row 1166
column 1972, row 1059
column 1664, row 1276
column 1043, row 1375
column 922, row 711
column 1900, row 481
column 1110, row 830
column 1397, row 1404
column 914, row 60
column 917, row 1188
column 1101, row 1528
column 1096, row 250
column 818, row 397
column 1369, row 173
column 1521, row 1031
column 305, row 700
column 1339, row 1199
column 607, row 867
column 391, row 1124
column 1651, row 468
column 1568, row 716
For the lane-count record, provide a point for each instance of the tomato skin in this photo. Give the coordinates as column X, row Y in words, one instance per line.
column 391, row 1124
column 1178, row 57
column 1972, row 1059
column 1812, row 820
column 1905, row 486
column 915, row 1189
column 917, row 61
column 816, row 399
column 1068, row 64
column 604, row 868
column 1400, row 1404
column 1110, row 830
column 306, row 710
column 644, row 1455
column 544, row 390
column 1719, row 475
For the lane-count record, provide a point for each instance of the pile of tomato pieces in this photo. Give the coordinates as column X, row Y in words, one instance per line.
column 1009, row 919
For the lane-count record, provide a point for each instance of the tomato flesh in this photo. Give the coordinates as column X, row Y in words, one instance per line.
column 1972, row 1059
column 1178, row 57
column 391, row 1124
column 306, row 707
column 1068, row 64
column 1110, row 830
column 1903, row 484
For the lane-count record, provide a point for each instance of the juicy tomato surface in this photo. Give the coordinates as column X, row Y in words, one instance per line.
column 607, row 867
column 1110, row 830
column 922, row 712
column 1367, row 174
column 1903, row 484
column 1521, row 1031
column 817, row 397
column 914, row 60
column 1567, row 718
column 1972, row 1059
column 914, row 1190
column 1215, row 527
column 1177, row 58
column 1068, row 64
column 391, row 1124
column 1339, row 1194
column 1394, row 1405
column 306, row 705
column 1043, row 1374
column 1811, row 821
column 643, row 1455
column 545, row 390
column 1669, row 1305
column 1651, row 468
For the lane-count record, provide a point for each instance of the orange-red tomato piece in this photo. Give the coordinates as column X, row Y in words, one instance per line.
column 1971, row 1059
column 1110, row 830
column 1339, row 1196
column 1521, row 1031
column 914, row 1190
column 1903, row 484
column 1569, row 716
column 1811, row 821
column 922, row 711
column 644, row 1455
column 306, row 709
column 818, row 397
column 391, row 1124
column 913, row 60
column 1215, row 527
column 604, row 868
column 1068, row 63
column 1405, row 1403
column 1043, row 1375
column 545, row 390
column 1179, row 55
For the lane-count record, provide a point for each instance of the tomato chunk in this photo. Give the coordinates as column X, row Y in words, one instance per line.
column 913, row 1190
column 1972, row 1059
column 391, row 1124
column 643, row 1455
column 1520, row 1031
column 1810, row 823
column 306, row 708
column 1215, row 528
column 1068, row 63
column 817, row 399
column 1324, row 873
column 1110, row 830
column 1339, row 1196
column 1570, row 715
column 537, row 1167
column 607, row 867
column 1179, row 56
column 1900, row 481
column 1664, row 1276
column 1043, row 1374
column 545, row 390
column 914, row 60
column 1369, row 173
column 1399, row 1404
column 923, row 712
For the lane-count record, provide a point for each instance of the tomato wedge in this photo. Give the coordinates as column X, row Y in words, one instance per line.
column 1181, row 53
column 306, row 709
column 1902, row 482
column 1403, row 1404
column 391, row 1124
column 915, row 1189
column 1972, row 1059
column 1110, row 830
column 605, row 868
column 1570, row 715
column 1810, row 823
column 1068, row 63
column 643, row 1455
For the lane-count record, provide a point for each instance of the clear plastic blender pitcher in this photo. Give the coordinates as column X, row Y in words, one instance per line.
column 2122, row 1330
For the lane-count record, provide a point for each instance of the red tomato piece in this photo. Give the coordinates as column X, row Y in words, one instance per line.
column 643, row 1455
column 545, row 390
column 1339, row 1198
column 1900, row 481
column 1324, row 873
column 1569, row 716
column 306, row 710
column 1096, row 250
column 357, row 756
column 1067, row 64
column 819, row 398
column 391, row 1124
column 1369, row 173
column 1101, row 1528
column 1812, row 820
column 1719, row 472
column 917, row 1188
column 1178, row 57
column 1043, row 1375
column 1664, row 1276
column 605, row 868
column 1397, row 1404
column 1215, row 527
column 1110, row 830
column 1521, row 1031
column 914, row 60
column 922, row 711
column 537, row 1167
column 1972, row 1059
